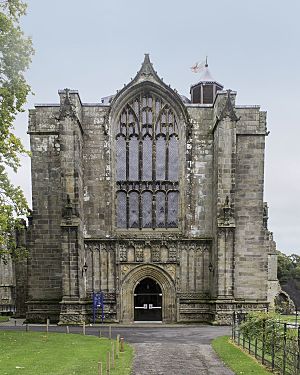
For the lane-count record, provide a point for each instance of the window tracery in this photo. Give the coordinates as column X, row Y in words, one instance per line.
column 147, row 164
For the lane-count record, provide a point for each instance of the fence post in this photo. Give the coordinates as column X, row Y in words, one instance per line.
column 99, row 368
column 122, row 344
column 118, row 346
column 273, row 345
column 113, row 355
column 255, row 348
column 263, row 343
column 284, row 350
column 298, row 354
column 108, row 363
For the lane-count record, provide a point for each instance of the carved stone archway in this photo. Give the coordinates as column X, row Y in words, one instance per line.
column 162, row 278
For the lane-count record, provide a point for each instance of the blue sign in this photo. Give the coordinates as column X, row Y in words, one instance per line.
column 98, row 303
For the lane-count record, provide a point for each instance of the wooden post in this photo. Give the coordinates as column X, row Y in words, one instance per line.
column 83, row 328
column 109, row 332
column 122, row 344
column 47, row 325
column 99, row 368
column 108, row 363
column 100, row 333
column 117, row 346
column 15, row 322
column 27, row 327
column 112, row 355
column 67, row 329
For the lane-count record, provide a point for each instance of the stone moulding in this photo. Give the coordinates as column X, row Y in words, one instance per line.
column 162, row 278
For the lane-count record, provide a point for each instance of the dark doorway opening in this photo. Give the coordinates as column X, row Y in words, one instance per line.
column 148, row 301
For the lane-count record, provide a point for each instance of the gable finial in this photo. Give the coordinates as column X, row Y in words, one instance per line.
column 206, row 64
column 146, row 68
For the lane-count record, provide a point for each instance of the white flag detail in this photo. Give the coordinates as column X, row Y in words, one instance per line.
column 198, row 67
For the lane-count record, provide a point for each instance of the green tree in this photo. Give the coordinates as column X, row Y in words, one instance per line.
column 284, row 267
column 288, row 267
column 15, row 56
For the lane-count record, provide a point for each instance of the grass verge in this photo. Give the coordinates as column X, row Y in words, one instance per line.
column 58, row 354
column 236, row 359
column 4, row 319
column 289, row 318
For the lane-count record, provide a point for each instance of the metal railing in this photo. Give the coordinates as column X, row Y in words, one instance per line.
column 273, row 342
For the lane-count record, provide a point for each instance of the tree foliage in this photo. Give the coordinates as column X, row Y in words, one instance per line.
column 288, row 267
column 15, row 56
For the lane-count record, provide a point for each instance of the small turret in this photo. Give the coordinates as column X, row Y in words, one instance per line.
column 204, row 92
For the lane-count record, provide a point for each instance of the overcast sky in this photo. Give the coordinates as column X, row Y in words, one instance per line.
column 252, row 46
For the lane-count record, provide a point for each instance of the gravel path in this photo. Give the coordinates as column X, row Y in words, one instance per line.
column 177, row 359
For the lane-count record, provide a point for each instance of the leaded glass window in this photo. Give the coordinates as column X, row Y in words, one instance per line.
column 133, row 209
column 147, row 164
column 121, row 209
column 147, row 209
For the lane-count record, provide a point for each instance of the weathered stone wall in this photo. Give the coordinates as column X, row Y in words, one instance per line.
column 217, row 258
column 44, row 269
column 199, row 170
column 96, row 166
column 251, row 255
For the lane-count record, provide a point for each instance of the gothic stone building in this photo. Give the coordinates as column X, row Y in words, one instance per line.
column 152, row 198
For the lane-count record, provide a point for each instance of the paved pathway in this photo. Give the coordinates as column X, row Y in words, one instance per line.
column 160, row 349
column 177, row 359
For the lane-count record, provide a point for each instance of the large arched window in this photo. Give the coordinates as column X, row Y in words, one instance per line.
column 147, row 164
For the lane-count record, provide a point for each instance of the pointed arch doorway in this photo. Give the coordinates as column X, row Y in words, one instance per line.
column 148, row 301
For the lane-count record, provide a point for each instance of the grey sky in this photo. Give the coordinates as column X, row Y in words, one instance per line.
column 252, row 47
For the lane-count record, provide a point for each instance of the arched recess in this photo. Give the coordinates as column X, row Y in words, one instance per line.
column 148, row 157
column 166, row 284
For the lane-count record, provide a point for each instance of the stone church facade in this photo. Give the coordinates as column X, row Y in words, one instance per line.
column 152, row 198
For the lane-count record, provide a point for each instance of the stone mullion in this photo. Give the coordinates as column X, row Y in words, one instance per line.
column 140, row 208
column 140, row 161
column 166, row 210
column 167, row 159
column 153, row 114
column 127, row 210
column 167, row 147
column 127, row 159
column 153, row 207
column 153, row 163
column 154, row 158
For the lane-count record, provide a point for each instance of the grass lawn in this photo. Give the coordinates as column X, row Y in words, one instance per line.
column 236, row 359
column 4, row 319
column 37, row 353
column 289, row 318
